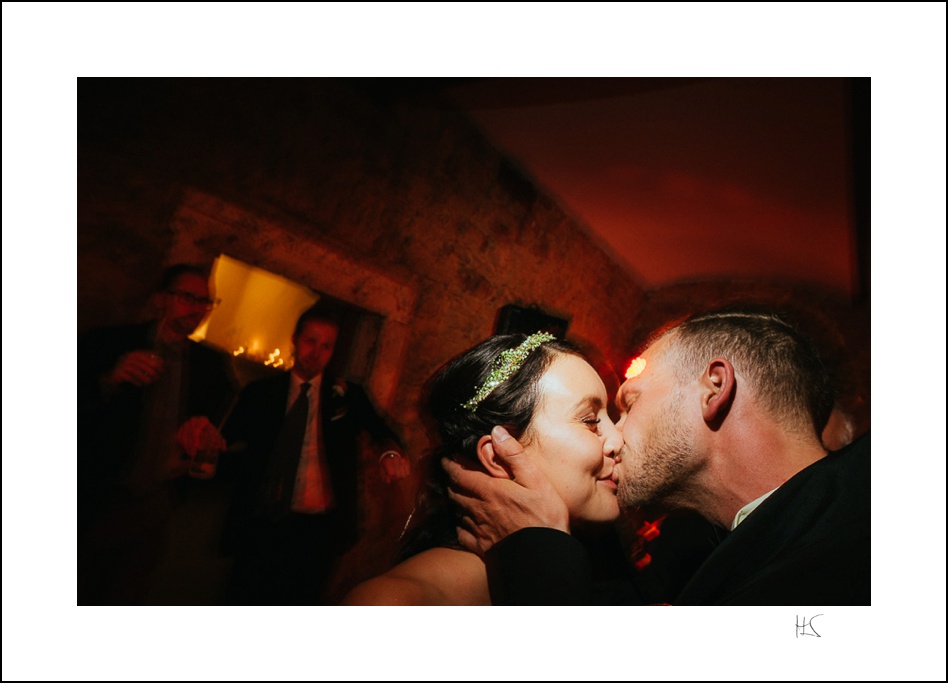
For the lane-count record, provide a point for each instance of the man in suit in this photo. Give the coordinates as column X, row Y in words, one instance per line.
column 724, row 418
column 296, row 506
column 149, row 398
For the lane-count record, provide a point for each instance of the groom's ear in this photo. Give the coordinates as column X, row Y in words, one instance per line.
column 488, row 459
column 718, row 388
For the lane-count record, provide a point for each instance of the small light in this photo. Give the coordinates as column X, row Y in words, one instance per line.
column 635, row 368
column 649, row 530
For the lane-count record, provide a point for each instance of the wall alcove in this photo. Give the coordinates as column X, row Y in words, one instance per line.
column 205, row 226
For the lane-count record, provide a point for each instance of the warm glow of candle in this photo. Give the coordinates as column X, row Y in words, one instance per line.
column 259, row 309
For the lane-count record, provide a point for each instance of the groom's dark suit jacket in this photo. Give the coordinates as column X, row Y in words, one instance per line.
column 807, row 544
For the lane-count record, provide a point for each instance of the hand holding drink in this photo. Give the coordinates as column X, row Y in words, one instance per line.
column 138, row 368
column 202, row 442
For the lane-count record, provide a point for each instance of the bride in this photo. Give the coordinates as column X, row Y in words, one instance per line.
column 542, row 391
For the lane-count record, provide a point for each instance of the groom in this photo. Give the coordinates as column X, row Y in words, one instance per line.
column 724, row 418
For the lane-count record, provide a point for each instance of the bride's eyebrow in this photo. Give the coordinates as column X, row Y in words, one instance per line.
column 593, row 401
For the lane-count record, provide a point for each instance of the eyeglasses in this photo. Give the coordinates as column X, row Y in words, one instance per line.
column 196, row 301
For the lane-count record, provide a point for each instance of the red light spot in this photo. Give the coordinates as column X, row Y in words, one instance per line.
column 649, row 530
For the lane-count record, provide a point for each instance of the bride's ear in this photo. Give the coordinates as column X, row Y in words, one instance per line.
column 494, row 466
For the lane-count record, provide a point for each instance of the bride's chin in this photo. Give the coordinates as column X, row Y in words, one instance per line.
column 610, row 511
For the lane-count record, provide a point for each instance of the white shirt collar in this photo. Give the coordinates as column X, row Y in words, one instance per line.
column 295, row 381
column 749, row 508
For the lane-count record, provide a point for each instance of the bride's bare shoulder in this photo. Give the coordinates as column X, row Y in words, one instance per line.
column 386, row 590
column 424, row 579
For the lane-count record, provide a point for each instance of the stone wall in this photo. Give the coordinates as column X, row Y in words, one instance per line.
column 404, row 186
column 409, row 189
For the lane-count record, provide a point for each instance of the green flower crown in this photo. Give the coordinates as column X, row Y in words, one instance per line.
column 506, row 365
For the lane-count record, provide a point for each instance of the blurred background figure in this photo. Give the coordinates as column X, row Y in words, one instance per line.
column 296, row 461
column 149, row 400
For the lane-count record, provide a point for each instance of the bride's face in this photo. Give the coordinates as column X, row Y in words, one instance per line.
column 573, row 440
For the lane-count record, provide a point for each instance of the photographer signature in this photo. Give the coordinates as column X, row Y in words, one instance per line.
column 805, row 627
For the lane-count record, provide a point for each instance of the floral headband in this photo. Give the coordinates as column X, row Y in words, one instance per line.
column 506, row 366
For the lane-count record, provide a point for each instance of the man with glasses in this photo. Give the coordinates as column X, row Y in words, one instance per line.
column 149, row 399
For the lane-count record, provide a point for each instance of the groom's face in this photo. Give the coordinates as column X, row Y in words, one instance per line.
column 658, row 457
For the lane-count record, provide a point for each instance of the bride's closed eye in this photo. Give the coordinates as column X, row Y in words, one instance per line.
column 593, row 423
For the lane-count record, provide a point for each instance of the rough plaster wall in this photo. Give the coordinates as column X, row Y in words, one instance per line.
column 411, row 188
column 408, row 188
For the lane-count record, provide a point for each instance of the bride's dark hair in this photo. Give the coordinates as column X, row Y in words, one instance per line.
column 511, row 404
